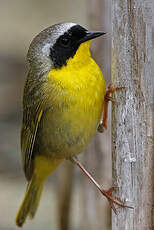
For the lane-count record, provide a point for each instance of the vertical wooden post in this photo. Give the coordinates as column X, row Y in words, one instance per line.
column 132, row 117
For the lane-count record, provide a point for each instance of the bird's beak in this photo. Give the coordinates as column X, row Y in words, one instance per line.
column 91, row 35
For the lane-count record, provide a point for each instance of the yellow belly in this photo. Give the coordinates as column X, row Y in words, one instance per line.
column 75, row 108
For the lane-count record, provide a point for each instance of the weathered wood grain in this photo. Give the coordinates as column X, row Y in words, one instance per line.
column 132, row 117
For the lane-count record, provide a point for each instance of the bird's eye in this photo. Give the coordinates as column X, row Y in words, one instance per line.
column 64, row 41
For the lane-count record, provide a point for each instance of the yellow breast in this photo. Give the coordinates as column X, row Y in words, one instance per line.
column 77, row 98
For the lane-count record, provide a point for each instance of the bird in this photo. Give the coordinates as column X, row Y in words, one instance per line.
column 63, row 99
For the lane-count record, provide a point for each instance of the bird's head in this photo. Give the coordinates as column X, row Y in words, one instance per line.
column 55, row 45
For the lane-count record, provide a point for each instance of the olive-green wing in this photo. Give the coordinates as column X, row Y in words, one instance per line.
column 35, row 100
column 28, row 134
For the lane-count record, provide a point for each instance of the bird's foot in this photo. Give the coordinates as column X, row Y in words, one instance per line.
column 113, row 200
column 106, row 193
column 107, row 98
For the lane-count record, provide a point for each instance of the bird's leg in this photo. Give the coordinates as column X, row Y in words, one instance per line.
column 106, row 193
column 107, row 98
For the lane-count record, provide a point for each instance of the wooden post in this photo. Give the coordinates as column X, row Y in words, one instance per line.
column 132, row 125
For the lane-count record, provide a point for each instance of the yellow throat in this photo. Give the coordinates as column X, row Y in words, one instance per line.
column 80, row 71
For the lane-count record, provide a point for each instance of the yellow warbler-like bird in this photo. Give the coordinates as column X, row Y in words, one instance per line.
column 62, row 106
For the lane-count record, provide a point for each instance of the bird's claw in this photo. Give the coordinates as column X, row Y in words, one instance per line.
column 100, row 128
column 114, row 200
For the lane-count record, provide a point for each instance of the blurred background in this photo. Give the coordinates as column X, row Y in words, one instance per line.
column 69, row 200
